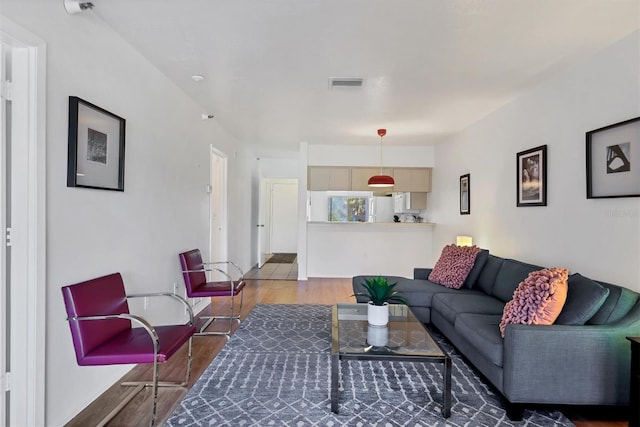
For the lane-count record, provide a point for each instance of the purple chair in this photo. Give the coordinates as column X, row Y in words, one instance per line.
column 195, row 281
column 102, row 332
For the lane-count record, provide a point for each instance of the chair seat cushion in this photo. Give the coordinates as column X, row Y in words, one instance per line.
column 217, row 289
column 135, row 346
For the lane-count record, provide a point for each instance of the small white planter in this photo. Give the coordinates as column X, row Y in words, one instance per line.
column 378, row 314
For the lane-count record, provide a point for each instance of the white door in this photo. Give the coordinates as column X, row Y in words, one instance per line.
column 4, row 306
column 22, row 222
column 218, row 209
column 218, row 206
column 284, row 217
column 264, row 211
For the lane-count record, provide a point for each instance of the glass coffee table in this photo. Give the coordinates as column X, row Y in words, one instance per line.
column 403, row 339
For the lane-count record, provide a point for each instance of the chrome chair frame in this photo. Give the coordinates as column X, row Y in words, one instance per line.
column 232, row 285
column 155, row 383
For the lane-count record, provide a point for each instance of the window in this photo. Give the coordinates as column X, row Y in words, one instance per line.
column 348, row 209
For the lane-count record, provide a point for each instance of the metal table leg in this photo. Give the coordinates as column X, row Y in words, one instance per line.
column 335, row 370
column 446, row 392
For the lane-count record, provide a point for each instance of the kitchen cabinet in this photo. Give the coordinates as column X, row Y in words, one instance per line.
column 325, row 178
column 412, row 180
column 404, row 202
column 360, row 177
column 344, row 178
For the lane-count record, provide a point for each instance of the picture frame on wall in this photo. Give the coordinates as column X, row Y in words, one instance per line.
column 95, row 147
column 465, row 194
column 613, row 160
column 531, row 186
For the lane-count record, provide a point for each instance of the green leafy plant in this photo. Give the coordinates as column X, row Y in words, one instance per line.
column 379, row 291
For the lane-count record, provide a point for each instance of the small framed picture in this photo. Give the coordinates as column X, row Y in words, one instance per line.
column 613, row 160
column 96, row 147
column 531, row 186
column 465, row 194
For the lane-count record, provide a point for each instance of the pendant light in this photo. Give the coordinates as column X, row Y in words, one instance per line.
column 380, row 181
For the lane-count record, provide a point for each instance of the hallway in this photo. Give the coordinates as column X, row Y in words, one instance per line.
column 274, row 270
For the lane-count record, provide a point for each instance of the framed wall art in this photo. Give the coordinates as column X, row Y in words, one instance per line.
column 465, row 194
column 613, row 160
column 96, row 147
column 531, row 186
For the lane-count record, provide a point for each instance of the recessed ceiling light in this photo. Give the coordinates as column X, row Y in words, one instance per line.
column 197, row 77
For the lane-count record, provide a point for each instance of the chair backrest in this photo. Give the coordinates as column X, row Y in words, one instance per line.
column 102, row 296
column 192, row 270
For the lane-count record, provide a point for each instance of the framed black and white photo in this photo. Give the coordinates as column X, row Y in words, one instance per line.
column 465, row 194
column 613, row 160
column 96, row 147
column 531, row 175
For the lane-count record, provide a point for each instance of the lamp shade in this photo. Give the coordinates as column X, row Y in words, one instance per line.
column 381, row 181
column 464, row 241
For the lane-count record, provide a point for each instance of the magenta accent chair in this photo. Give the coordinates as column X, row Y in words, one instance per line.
column 196, row 284
column 103, row 333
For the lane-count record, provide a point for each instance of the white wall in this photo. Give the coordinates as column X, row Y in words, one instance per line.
column 164, row 208
column 598, row 238
column 369, row 155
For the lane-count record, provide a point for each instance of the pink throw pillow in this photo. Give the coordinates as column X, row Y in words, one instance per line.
column 454, row 265
column 538, row 300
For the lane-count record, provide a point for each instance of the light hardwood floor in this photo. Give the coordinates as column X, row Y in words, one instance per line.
column 205, row 348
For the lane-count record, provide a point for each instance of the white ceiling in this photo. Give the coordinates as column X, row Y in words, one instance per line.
column 430, row 67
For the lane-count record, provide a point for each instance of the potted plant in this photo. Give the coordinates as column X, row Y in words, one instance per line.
column 380, row 293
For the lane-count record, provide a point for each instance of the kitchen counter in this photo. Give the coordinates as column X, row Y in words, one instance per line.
column 395, row 224
column 347, row 249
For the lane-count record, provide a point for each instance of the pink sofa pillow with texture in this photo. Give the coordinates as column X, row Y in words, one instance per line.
column 454, row 265
column 538, row 300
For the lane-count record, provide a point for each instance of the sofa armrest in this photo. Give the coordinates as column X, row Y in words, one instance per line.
column 587, row 364
column 421, row 273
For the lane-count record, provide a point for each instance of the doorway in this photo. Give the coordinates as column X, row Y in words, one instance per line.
column 277, row 230
column 22, row 218
column 218, row 250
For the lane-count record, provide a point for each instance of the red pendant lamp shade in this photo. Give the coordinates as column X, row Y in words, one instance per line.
column 380, row 181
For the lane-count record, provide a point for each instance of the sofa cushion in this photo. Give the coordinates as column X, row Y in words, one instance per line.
column 449, row 305
column 487, row 276
column 619, row 302
column 538, row 300
column 509, row 276
column 454, row 265
column 584, row 299
column 472, row 277
column 420, row 292
column 483, row 332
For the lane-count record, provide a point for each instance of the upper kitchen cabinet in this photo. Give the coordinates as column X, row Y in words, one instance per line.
column 416, row 180
column 325, row 178
column 360, row 177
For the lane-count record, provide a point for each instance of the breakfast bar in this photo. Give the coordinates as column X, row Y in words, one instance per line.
column 347, row 249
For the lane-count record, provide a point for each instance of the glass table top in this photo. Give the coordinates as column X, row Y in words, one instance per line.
column 404, row 336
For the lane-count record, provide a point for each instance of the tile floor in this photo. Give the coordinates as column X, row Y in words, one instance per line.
column 274, row 271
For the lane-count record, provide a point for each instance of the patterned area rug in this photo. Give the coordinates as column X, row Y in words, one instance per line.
column 275, row 371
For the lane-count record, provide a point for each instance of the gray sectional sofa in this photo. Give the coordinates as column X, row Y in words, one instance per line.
column 582, row 359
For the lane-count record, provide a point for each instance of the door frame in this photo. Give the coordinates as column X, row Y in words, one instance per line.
column 27, row 381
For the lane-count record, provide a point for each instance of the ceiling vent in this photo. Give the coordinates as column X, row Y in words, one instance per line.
column 345, row 82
